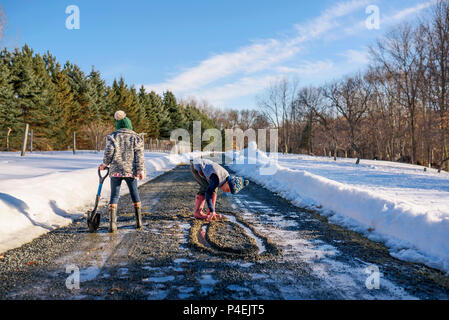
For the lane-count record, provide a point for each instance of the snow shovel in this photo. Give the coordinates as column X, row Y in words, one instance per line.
column 93, row 217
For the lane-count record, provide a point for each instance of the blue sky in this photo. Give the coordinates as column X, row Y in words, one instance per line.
column 224, row 51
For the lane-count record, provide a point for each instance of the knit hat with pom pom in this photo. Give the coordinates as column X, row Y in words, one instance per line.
column 120, row 115
column 122, row 122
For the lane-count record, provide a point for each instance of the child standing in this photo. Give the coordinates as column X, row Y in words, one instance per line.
column 124, row 154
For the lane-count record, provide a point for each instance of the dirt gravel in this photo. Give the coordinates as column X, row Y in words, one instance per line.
column 265, row 248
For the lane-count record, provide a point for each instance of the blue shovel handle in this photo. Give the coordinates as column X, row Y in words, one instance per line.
column 102, row 178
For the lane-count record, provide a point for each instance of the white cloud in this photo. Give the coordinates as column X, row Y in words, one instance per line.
column 251, row 85
column 387, row 20
column 357, row 57
column 253, row 67
column 243, row 87
column 257, row 57
column 308, row 68
column 409, row 11
column 249, row 59
column 328, row 20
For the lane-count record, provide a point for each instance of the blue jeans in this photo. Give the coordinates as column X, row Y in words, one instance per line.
column 115, row 189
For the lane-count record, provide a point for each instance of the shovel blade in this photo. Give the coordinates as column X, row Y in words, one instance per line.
column 93, row 221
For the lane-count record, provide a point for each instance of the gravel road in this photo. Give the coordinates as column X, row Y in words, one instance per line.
column 265, row 248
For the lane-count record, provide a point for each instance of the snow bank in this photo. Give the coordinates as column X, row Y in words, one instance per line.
column 417, row 232
column 44, row 191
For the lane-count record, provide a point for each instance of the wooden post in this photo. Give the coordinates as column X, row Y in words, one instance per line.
column 74, row 142
column 25, row 138
column 7, row 139
column 431, row 159
column 31, row 141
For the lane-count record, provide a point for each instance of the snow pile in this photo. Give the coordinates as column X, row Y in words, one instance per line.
column 402, row 205
column 44, row 191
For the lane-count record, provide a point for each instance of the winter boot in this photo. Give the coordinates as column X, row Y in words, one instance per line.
column 112, row 218
column 138, row 211
column 200, row 199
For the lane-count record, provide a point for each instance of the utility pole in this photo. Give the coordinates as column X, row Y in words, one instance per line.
column 24, row 142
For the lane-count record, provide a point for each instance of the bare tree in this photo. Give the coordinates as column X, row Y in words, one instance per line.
column 311, row 103
column 277, row 106
column 437, row 34
column 400, row 55
column 350, row 98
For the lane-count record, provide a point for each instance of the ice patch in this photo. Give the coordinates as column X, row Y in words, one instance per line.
column 159, row 279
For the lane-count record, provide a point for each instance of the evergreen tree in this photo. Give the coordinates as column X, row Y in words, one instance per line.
column 34, row 92
column 24, row 82
column 9, row 111
column 140, row 123
column 64, row 101
column 122, row 98
column 151, row 120
column 98, row 117
column 46, row 114
column 175, row 111
column 57, row 101
column 97, row 109
column 77, row 115
column 60, row 102
column 163, row 117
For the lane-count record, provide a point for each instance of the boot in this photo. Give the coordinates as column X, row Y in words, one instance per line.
column 138, row 211
column 112, row 218
column 200, row 199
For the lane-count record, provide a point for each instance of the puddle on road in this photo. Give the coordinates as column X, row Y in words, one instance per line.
column 93, row 256
column 159, row 279
column 207, row 283
column 89, row 274
column 185, row 292
column 201, row 235
column 260, row 245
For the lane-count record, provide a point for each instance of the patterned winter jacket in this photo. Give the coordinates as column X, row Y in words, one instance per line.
column 124, row 153
column 207, row 167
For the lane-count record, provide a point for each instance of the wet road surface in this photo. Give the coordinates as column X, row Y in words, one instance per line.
column 266, row 248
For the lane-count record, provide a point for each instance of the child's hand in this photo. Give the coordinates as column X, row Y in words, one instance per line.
column 214, row 216
column 102, row 167
column 211, row 216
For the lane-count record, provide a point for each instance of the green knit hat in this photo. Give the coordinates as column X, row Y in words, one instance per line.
column 122, row 122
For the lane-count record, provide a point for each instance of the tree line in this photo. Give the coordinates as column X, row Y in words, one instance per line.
column 397, row 109
column 58, row 100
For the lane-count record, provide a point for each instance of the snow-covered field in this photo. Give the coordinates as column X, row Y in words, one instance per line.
column 44, row 191
column 401, row 205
